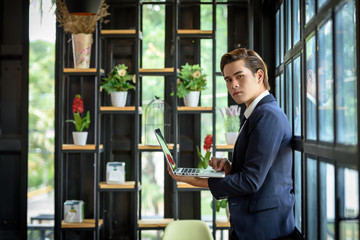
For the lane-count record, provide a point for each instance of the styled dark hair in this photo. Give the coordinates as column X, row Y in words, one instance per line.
column 252, row 60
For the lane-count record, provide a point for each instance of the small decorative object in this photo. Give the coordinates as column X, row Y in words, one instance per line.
column 115, row 173
column 79, row 137
column 156, row 115
column 232, row 122
column 204, row 160
column 192, row 80
column 117, row 84
column 74, row 211
column 81, row 26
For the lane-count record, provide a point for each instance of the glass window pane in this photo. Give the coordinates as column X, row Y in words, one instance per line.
column 349, row 230
column 221, row 101
column 346, row 100
column 221, row 33
column 325, row 81
column 298, row 186
column 297, row 97
column 206, row 17
column 281, row 33
column 277, row 90
column 309, row 10
column 296, row 21
column 282, row 92
column 327, row 199
column 351, row 192
column 310, row 89
column 311, row 179
column 288, row 24
column 289, row 93
column 154, row 36
column 320, row 3
column 206, row 65
column 277, row 38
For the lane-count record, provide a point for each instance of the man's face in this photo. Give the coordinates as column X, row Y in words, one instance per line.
column 242, row 84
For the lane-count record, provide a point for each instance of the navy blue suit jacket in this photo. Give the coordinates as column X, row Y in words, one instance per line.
column 259, row 188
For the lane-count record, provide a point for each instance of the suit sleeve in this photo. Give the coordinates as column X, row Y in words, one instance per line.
column 265, row 138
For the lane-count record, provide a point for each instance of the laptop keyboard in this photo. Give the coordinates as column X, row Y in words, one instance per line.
column 188, row 171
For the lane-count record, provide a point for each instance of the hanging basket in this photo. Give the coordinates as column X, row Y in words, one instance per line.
column 81, row 43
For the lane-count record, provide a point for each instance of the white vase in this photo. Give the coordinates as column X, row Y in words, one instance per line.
column 118, row 99
column 80, row 138
column 81, row 44
column 192, row 99
column 231, row 137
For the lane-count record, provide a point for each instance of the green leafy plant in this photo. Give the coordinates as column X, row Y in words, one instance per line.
column 191, row 80
column 231, row 118
column 219, row 204
column 78, row 109
column 118, row 80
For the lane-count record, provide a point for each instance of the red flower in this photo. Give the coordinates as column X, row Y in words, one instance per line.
column 78, row 104
column 208, row 142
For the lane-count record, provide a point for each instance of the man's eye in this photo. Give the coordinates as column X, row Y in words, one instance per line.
column 239, row 76
column 228, row 80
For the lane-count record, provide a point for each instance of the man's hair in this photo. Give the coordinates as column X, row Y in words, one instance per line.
column 252, row 60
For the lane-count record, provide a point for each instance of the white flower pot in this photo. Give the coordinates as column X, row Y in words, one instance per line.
column 231, row 137
column 81, row 44
column 192, row 99
column 118, row 99
column 80, row 138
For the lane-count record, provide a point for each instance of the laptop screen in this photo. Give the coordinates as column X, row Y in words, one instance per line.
column 165, row 149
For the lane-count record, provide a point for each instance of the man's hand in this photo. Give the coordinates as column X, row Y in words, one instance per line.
column 195, row 181
column 220, row 164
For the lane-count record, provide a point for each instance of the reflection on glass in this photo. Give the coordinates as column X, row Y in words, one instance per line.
column 297, row 97
column 325, row 81
column 310, row 89
column 277, row 38
column 289, row 93
column 309, row 10
column 351, row 205
column 296, row 21
column 297, row 189
column 327, row 199
column 221, row 33
column 281, row 32
column 152, row 182
column 346, row 100
column 311, row 182
column 154, row 36
column 288, row 25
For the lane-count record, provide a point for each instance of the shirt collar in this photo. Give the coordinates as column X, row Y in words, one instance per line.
column 252, row 106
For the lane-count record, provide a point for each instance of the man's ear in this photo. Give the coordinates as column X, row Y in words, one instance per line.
column 260, row 75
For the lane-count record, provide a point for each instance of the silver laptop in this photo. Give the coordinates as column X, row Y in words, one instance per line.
column 198, row 172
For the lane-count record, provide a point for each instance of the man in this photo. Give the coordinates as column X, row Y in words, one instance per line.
column 258, row 183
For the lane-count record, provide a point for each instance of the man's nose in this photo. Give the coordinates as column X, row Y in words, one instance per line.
column 234, row 83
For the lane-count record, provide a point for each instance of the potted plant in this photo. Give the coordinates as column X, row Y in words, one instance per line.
column 191, row 83
column 117, row 84
column 81, row 26
column 79, row 136
column 231, row 122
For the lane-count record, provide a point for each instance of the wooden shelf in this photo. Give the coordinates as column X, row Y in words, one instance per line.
column 154, row 147
column 126, row 185
column 183, row 108
column 118, row 31
column 82, row 70
column 125, row 109
column 194, row 31
column 224, row 147
column 160, row 70
column 154, row 223
column 223, row 223
column 88, row 223
column 186, row 185
column 87, row 147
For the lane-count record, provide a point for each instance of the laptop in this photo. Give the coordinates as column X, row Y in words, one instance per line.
column 197, row 172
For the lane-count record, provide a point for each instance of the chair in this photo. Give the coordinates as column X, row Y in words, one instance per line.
column 187, row 230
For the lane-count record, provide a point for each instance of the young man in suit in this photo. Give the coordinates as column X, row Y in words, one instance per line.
column 258, row 182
